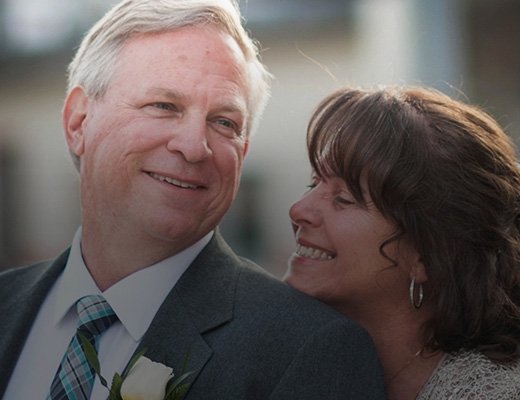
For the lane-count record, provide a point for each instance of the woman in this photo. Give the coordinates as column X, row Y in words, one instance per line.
column 411, row 227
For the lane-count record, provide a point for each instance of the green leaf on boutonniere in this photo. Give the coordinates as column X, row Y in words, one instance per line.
column 117, row 380
column 174, row 390
column 91, row 355
column 178, row 388
column 186, row 360
column 115, row 388
column 132, row 362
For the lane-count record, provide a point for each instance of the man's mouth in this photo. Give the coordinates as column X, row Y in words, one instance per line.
column 172, row 181
column 313, row 253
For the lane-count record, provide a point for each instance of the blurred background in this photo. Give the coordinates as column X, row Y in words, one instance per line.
column 466, row 48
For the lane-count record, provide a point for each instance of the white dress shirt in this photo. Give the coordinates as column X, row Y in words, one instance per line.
column 135, row 300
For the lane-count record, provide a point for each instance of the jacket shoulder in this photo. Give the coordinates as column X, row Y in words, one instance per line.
column 41, row 273
column 304, row 348
column 267, row 296
column 11, row 277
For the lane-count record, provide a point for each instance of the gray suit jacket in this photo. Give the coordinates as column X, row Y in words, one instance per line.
column 248, row 336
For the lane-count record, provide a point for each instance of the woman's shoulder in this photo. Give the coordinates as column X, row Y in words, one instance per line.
column 471, row 375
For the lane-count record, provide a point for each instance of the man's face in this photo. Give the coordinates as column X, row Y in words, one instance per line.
column 161, row 152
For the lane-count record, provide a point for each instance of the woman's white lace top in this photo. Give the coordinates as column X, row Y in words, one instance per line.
column 469, row 375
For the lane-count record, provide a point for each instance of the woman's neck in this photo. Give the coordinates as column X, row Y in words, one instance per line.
column 407, row 365
column 405, row 382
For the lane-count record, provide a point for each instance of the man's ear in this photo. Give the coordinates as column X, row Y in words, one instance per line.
column 246, row 147
column 74, row 114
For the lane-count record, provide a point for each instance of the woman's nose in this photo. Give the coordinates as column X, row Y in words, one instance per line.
column 305, row 212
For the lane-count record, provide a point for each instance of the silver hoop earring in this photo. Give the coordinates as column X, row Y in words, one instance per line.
column 416, row 304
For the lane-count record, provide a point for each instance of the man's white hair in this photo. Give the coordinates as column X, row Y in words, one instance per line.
column 94, row 63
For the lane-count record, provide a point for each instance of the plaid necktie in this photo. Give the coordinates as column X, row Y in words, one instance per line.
column 75, row 378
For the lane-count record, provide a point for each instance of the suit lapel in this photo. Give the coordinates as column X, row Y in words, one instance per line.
column 19, row 309
column 202, row 300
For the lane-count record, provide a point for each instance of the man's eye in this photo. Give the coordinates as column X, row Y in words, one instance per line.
column 226, row 123
column 228, row 127
column 164, row 106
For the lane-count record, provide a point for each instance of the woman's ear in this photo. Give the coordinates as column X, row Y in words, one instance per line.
column 418, row 272
column 74, row 113
column 412, row 261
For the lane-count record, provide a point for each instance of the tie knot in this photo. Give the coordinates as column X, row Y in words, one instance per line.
column 95, row 314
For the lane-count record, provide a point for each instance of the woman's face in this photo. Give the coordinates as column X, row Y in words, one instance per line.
column 338, row 258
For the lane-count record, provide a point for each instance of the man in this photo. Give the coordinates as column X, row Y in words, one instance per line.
column 162, row 99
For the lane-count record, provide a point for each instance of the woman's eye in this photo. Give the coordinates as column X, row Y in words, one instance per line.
column 344, row 198
column 343, row 201
column 314, row 182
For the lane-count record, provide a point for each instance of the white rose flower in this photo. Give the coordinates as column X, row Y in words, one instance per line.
column 146, row 381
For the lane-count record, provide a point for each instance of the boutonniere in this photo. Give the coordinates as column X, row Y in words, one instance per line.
column 142, row 379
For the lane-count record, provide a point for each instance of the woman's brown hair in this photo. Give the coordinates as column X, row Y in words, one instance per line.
column 447, row 175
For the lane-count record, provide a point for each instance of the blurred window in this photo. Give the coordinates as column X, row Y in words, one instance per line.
column 32, row 27
column 41, row 26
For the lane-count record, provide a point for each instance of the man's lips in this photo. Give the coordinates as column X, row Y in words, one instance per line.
column 173, row 181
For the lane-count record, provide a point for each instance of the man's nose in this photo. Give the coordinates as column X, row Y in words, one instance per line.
column 189, row 137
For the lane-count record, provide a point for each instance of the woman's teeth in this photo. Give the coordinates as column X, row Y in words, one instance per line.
column 312, row 253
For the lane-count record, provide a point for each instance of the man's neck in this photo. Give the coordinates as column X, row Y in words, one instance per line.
column 112, row 256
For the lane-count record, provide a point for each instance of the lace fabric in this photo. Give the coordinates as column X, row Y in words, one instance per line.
column 469, row 375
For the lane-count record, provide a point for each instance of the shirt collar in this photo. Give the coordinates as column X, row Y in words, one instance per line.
column 147, row 287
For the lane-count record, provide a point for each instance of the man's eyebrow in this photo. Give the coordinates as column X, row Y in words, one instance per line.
column 235, row 107
column 169, row 93
column 231, row 106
